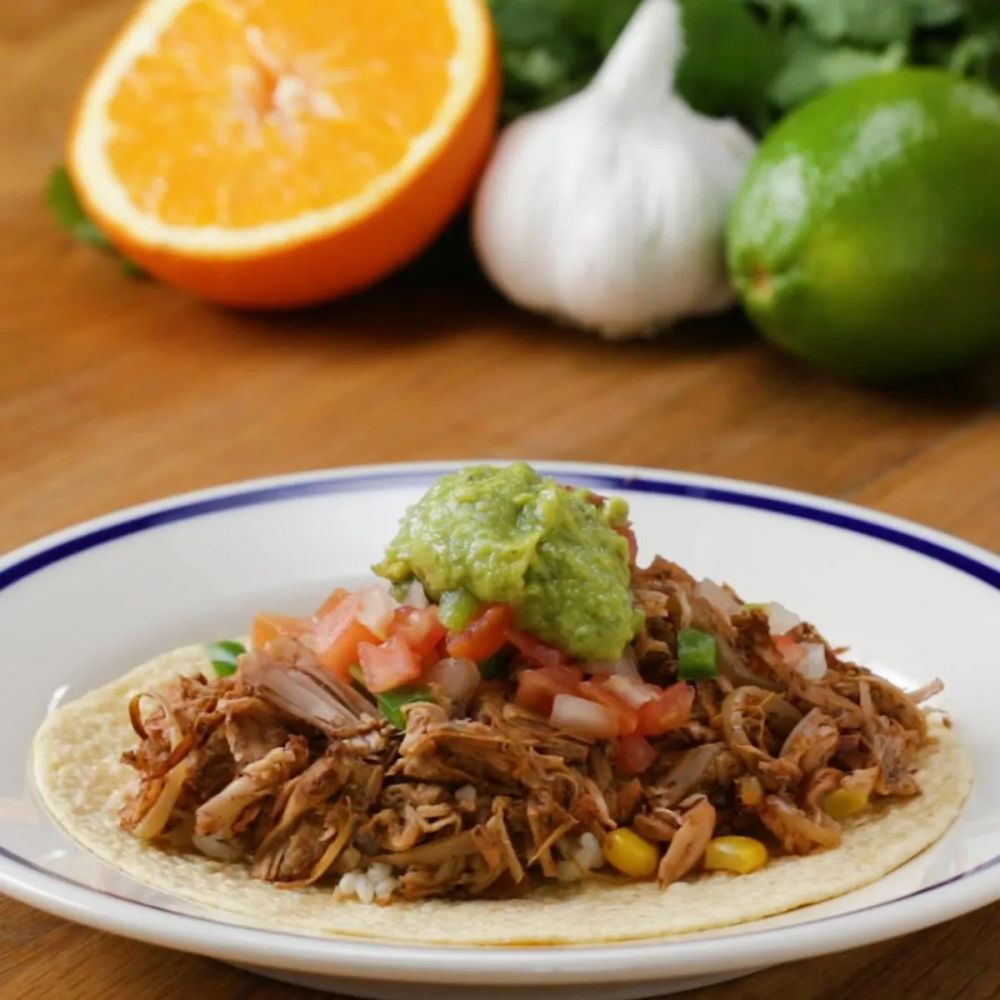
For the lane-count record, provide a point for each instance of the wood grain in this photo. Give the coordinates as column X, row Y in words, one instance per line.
column 114, row 391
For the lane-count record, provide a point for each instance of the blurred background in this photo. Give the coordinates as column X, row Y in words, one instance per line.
column 764, row 243
column 119, row 388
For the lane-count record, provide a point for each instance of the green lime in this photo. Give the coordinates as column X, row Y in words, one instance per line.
column 866, row 236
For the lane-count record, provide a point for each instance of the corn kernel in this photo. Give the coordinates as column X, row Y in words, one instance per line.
column 625, row 850
column 735, row 854
column 844, row 802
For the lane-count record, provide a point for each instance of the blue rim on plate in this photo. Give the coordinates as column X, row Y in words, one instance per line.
column 319, row 487
column 252, row 495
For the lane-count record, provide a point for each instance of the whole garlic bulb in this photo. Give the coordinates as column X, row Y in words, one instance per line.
column 608, row 208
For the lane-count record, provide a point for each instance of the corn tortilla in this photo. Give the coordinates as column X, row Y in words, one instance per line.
column 83, row 783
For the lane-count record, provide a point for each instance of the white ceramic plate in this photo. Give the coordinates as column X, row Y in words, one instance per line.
column 81, row 607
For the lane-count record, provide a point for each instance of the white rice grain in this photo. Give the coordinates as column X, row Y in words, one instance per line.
column 346, row 885
column 385, row 888
column 364, row 889
column 378, row 872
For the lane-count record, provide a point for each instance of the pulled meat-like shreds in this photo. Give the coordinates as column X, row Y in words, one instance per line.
column 297, row 774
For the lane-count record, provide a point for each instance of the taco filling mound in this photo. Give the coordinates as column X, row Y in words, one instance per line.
column 515, row 735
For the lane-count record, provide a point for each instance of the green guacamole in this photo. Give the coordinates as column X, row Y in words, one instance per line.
column 505, row 534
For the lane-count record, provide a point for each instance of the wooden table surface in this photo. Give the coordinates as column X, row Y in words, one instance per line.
column 114, row 391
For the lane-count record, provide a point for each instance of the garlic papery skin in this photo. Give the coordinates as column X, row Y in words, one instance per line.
column 608, row 209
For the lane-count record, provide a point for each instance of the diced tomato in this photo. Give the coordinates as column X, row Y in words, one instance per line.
column 670, row 710
column 419, row 628
column 583, row 717
column 338, row 634
column 485, row 635
column 376, row 606
column 535, row 651
column 331, row 602
column 268, row 625
column 388, row 665
column 628, row 717
column 791, row 651
column 633, row 754
column 536, row 688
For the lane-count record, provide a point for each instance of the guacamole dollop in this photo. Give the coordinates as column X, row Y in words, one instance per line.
column 506, row 534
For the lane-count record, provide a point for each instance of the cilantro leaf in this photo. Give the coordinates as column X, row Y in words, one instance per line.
column 862, row 21
column 978, row 55
column 551, row 48
column 753, row 59
column 811, row 67
column 729, row 60
column 601, row 20
column 67, row 210
column 935, row 13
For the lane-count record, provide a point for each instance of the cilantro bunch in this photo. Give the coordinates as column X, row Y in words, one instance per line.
column 752, row 59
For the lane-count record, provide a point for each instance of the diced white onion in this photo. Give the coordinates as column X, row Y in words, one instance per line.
column 583, row 718
column 377, row 607
column 588, row 854
column 718, row 596
column 634, row 693
column 415, row 596
column 456, row 678
column 812, row 666
column 625, row 666
column 780, row 620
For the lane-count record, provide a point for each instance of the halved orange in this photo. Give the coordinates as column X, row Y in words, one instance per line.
column 275, row 153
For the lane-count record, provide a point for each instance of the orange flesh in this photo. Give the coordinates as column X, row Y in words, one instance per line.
column 258, row 95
